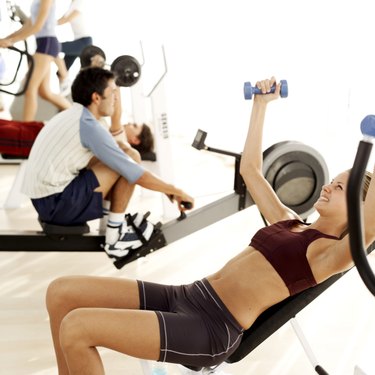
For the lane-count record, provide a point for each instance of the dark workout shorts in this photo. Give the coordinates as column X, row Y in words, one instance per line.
column 48, row 45
column 196, row 329
column 77, row 204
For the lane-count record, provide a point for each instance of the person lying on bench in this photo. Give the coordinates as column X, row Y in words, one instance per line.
column 75, row 163
column 201, row 324
column 17, row 137
column 136, row 136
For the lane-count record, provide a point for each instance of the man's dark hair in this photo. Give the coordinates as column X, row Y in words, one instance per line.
column 88, row 81
column 88, row 53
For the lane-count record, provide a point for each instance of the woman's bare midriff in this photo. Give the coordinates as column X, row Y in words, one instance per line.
column 248, row 285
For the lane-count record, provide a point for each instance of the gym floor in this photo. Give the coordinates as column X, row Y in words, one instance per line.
column 339, row 324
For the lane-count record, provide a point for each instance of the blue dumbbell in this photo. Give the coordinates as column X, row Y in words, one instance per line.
column 368, row 126
column 249, row 91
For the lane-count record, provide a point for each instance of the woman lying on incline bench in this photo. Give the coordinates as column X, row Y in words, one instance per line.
column 201, row 324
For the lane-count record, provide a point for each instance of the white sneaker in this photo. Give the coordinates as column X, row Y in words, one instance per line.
column 136, row 219
column 129, row 239
column 65, row 87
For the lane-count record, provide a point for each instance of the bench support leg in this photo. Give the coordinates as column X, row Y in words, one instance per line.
column 298, row 331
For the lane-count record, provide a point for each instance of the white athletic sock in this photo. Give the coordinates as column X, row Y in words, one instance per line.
column 115, row 221
column 106, row 206
column 104, row 219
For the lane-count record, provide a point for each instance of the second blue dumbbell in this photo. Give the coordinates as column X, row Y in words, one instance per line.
column 249, row 91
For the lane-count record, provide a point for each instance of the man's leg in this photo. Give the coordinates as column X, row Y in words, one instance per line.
column 119, row 237
column 112, row 185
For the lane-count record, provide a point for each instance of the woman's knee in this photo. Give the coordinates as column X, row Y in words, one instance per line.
column 58, row 294
column 72, row 330
column 43, row 93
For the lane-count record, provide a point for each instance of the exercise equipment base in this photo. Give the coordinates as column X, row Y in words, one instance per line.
column 156, row 242
column 170, row 232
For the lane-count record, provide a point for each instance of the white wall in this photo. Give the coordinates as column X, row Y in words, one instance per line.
column 324, row 48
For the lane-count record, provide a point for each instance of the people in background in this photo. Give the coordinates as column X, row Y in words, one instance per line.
column 75, row 164
column 140, row 137
column 42, row 24
column 75, row 16
column 17, row 137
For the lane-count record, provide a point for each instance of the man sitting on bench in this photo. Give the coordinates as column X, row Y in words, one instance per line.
column 202, row 323
column 75, row 163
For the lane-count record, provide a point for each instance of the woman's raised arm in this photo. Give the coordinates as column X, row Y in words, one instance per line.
column 252, row 158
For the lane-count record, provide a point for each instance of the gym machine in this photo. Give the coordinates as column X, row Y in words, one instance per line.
column 354, row 201
column 24, row 57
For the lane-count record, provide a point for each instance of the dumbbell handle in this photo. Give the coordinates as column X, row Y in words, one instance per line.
column 249, row 90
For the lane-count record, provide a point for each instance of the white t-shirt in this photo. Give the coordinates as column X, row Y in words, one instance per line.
column 78, row 23
column 49, row 27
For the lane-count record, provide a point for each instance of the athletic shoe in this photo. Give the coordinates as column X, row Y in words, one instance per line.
column 127, row 239
column 141, row 226
column 131, row 237
column 137, row 219
column 65, row 86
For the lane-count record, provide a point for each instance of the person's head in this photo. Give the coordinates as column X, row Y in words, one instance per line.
column 332, row 199
column 95, row 86
column 92, row 56
column 140, row 137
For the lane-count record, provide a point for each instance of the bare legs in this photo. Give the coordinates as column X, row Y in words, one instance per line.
column 61, row 68
column 39, row 85
column 86, row 312
column 112, row 184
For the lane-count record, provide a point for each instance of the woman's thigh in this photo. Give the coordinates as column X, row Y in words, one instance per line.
column 94, row 291
column 41, row 69
column 132, row 332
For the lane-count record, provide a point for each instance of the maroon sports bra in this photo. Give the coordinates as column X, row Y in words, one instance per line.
column 286, row 251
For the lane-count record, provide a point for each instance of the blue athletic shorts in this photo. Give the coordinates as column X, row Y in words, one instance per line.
column 77, row 204
column 48, row 45
column 196, row 328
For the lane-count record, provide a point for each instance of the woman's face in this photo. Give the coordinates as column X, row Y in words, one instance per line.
column 133, row 132
column 332, row 198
